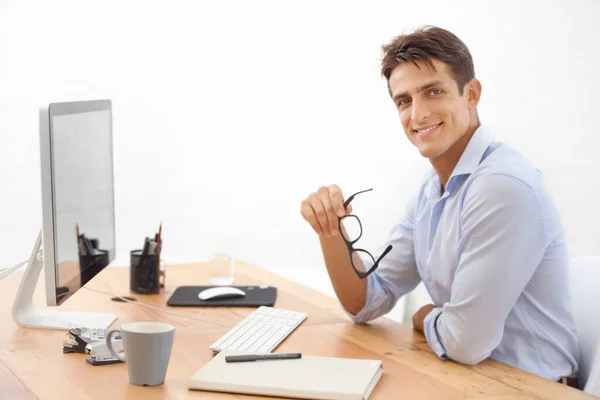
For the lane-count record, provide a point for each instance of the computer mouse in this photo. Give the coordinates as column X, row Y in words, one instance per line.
column 220, row 292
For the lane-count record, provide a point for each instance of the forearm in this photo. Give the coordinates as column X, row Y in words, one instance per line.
column 349, row 288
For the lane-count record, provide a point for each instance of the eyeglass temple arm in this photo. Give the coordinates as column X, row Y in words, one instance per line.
column 387, row 250
column 347, row 202
column 374, row 267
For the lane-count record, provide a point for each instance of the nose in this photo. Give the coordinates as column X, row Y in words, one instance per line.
column 419, row 112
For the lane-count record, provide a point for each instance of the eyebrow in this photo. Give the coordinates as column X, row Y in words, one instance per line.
column 419, row 90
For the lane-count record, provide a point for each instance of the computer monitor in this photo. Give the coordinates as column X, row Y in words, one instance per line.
column 77, row 239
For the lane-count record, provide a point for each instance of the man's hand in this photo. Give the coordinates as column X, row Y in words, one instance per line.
column 323, row 208
column 420, row 315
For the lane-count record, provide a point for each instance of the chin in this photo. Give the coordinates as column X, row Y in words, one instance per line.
column 429, row 151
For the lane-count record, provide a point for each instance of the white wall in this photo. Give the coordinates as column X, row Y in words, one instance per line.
column 227, row 114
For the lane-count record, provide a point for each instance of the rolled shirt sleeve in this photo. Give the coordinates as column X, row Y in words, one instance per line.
column 429, row 325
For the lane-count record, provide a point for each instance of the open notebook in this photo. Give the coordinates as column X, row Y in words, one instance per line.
column 308, row 377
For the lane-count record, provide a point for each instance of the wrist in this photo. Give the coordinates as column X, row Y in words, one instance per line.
column 419, row 317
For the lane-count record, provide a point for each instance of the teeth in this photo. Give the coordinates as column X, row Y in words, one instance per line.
column 428, row 129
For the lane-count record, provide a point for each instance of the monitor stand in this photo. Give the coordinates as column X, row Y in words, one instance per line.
column 26, row 315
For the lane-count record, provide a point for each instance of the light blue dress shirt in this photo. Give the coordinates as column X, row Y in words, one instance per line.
column 491, row 252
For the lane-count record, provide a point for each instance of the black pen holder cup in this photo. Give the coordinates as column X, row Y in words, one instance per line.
column 145, row 274
column 89, row 266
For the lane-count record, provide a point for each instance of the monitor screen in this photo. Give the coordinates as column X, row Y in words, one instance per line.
column 82, row 192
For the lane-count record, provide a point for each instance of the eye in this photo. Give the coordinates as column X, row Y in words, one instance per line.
column 403, row 102
column 435, row 92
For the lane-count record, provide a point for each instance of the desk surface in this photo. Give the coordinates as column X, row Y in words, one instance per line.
column 32, row 364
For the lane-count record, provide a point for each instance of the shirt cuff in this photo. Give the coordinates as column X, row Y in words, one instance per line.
column 431, row 332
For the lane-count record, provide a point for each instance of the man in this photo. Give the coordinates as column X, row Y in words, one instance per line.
column 482, row 233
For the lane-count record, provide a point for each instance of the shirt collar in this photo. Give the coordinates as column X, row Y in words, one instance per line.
column 471, row 157
column 467, row 164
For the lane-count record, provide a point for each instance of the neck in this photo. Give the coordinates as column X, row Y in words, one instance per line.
column 445, row 163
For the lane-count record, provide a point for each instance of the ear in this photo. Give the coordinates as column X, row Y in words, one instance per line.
column 473, row 92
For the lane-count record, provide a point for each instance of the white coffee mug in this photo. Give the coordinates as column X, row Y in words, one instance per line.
column 147, row 347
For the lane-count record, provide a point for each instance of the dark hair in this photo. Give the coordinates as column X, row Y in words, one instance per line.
column 427, row 43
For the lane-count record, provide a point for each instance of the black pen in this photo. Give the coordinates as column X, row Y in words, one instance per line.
column 257, row 357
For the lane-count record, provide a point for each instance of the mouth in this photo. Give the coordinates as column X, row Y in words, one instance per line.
column 426, row 131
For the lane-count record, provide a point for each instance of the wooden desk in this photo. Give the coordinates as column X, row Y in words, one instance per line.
column 32, row 364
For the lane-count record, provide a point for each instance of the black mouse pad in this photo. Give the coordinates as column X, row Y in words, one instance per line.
column 255, row 296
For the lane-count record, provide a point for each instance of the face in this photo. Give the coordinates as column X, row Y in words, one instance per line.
column 435, row 116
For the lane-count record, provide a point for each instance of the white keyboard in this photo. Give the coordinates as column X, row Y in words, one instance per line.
column 261, row 331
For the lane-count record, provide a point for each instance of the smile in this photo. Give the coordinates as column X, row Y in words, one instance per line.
column 427, row 131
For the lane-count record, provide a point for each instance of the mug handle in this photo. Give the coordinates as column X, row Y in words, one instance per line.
column 109, row 336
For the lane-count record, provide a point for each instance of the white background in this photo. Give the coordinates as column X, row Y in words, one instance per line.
column 227, row 114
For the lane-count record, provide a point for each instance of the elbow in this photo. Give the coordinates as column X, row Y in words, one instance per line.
column 464, row 341
column 356, row 313
column 358, row 317
column 469, row 350
column 467, row 356
column 360, row 321
column 354, row 309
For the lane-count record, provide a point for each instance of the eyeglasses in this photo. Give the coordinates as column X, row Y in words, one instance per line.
column 351, row 229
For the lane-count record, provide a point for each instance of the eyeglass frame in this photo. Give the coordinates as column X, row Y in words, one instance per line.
column 350, row 244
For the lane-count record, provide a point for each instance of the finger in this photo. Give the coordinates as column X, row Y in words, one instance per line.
column 321, row 214
column 349, row 209
column 337, row 199
column 332, row 219
column 309, row 215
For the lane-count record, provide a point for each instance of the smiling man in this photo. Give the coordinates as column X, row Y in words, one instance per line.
column 482, row 233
